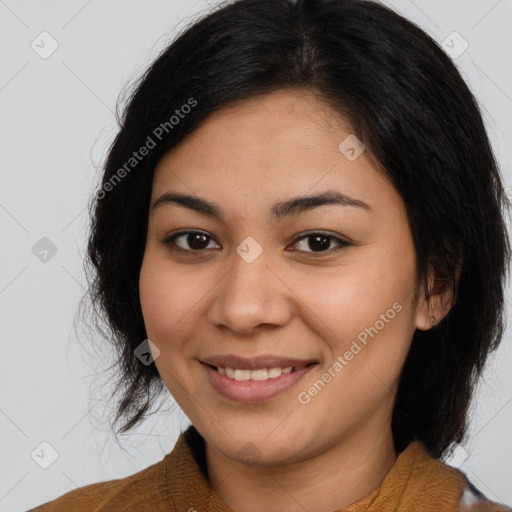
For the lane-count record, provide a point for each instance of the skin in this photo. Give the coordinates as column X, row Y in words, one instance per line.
column 288, row 302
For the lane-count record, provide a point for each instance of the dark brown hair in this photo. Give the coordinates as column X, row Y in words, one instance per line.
column 410, row 106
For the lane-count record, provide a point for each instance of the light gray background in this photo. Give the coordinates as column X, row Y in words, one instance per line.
column 56, row 121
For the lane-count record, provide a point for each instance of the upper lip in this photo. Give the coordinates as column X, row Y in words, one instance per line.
column 253, row 363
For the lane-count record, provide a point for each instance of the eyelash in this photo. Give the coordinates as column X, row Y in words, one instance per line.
column 169, row 241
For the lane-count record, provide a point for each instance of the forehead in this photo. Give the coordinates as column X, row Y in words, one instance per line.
column 269, row 147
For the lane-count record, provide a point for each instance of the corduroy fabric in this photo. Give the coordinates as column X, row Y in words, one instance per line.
column 416, row 483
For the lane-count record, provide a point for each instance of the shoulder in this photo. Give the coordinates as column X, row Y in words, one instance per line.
column 428, row 480
column 472, row 500
column 132, row 493
column 170, row 484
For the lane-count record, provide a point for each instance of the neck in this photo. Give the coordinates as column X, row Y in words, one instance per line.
column 332, row 480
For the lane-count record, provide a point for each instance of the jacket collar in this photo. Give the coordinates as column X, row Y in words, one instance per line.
column 417, row 481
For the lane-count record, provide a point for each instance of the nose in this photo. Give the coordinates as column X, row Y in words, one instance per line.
column 251, row 296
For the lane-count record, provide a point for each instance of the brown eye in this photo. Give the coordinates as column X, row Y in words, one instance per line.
column 189, row 241
column 316, row 243
column 320, row 243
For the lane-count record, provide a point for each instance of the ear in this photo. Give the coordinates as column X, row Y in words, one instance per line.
column 430, row 311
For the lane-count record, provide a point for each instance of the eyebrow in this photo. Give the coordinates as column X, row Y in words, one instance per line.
column 281, row 209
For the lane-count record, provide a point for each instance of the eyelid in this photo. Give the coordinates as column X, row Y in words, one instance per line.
column 340, row 241
column 168, row 240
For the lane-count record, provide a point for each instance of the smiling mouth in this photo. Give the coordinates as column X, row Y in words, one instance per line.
column 257, row 374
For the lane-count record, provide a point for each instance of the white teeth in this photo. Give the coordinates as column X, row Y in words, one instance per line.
column 274, row 372
column 259, row 374
column 242, row 374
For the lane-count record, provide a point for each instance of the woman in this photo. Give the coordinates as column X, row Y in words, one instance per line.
column 300, row 233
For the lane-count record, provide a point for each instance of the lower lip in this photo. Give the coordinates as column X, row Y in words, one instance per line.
column 251, row 391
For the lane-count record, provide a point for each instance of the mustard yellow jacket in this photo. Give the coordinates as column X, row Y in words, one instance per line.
column 416, row 483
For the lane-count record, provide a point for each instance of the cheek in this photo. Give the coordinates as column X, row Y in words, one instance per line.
column 167, row 297
column 348, row 299
column 369, row 303
column 170, row 302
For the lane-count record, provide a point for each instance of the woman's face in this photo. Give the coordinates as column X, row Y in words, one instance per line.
column 238, row 276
